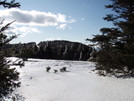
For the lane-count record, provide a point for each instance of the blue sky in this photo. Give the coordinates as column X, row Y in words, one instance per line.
column 41, row 20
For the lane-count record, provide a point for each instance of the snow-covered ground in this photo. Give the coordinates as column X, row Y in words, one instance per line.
column 78, row 83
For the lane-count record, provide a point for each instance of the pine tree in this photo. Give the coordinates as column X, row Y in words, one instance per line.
column 9, row 77
column 116, row 54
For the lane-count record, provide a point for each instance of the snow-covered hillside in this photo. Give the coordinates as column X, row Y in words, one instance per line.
column 78, row 83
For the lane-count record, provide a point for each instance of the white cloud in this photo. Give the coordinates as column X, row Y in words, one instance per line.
column 28, row 19
column 71, row 21
column 23, row 31
column 61, row 18
column 63, row 26
column 52, row 39
column 82, row 18
column 34, row 18
column 70, row 17
column 26, row 30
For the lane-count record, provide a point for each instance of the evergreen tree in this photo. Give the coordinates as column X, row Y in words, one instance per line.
column 116, row 54
column 9, row 77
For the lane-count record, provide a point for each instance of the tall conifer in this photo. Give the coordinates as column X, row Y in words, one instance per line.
column 9, row 77
column 116, row 54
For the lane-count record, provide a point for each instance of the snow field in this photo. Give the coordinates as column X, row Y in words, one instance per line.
column 78, row 83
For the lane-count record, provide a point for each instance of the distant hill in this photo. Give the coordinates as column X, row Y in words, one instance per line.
column 59, row 49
